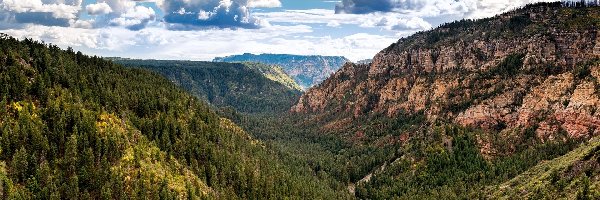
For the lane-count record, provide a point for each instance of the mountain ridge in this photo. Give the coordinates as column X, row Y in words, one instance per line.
column 246, row 87
column 79, row 127
column 505, row 107
column 307, row 70
column 397, row 79
column 459, row 104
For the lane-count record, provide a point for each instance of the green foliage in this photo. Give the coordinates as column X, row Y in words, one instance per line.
column 570, row 176
column 509, row 66
column 307, row 71
column 584, row 193
column 274, row 73
column 582, row 71
column 73, row 126
column 449, row 164
column 518, row 23
column 249, row 88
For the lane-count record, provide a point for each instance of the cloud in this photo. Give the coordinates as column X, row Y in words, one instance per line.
column 192, row 14
column 129, row 28
column 47, row 12
column 481, row 9
column 65, row 13
column 98, row 9
column 119, row 6
column 178, row 14
column 149, row 39
column 364, row 6
column 43, row 18
column 388, row 21
column 123, row 13
column 135, row 18
column 432, row 8
column 397, row 23
column 274, row 39
column 73, row 37
column 264, row 3
column 87, row 24
column 160, row 43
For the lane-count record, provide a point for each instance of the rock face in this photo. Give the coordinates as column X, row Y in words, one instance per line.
column 535, row 68
column 307, row 71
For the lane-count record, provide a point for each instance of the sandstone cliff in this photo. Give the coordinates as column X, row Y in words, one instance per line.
column 534, row 68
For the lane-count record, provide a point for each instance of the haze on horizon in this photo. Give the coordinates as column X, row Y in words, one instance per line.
column 204, row 29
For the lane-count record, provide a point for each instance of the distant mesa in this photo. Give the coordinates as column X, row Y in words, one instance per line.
column 307, row 71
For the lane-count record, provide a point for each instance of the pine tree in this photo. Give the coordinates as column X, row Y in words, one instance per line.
column 584, row 192
column 19, row 164
column 71, row 155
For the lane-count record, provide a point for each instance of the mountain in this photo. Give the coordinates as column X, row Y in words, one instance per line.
column 246, row 87
column 307, row 71
column 533, row 66
column 274, row 73
column 572, row 176
column 498, row 108
column 80, row 127
column 471, row 104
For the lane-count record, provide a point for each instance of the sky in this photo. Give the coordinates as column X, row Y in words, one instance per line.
column 204, row 29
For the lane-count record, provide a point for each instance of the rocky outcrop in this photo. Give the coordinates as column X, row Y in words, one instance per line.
column 531, row 68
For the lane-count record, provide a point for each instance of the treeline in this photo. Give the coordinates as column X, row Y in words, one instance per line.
column 80, row 127
column 446, row 162
column 245, row 87
column 579, row 3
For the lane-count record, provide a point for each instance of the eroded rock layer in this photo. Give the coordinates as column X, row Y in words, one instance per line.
column 533, row 68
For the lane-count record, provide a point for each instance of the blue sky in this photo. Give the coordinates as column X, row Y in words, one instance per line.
column 204, row 29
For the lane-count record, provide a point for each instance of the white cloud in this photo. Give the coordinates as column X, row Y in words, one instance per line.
column 433, row 8
column 58, row 8
column 98, row 9
column 149, row 39
column 159, row 43
column 119, row 6
column 139, row 12
column 481, row 9
column 66, row 36
column 354, row 47
column 47, row 12
column 87, row 24
column 199, row 14
column 264, row 3
column 135, row 18
column 333, row 23
column 118, row 26
column 392, row 22
column 389, row 21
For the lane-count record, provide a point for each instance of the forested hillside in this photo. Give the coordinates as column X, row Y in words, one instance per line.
column 463, row 111
column 470, row 105
column 506, row 107
column 245, row 87
column 80, row 127
column 307, row 71
column 572, row 176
